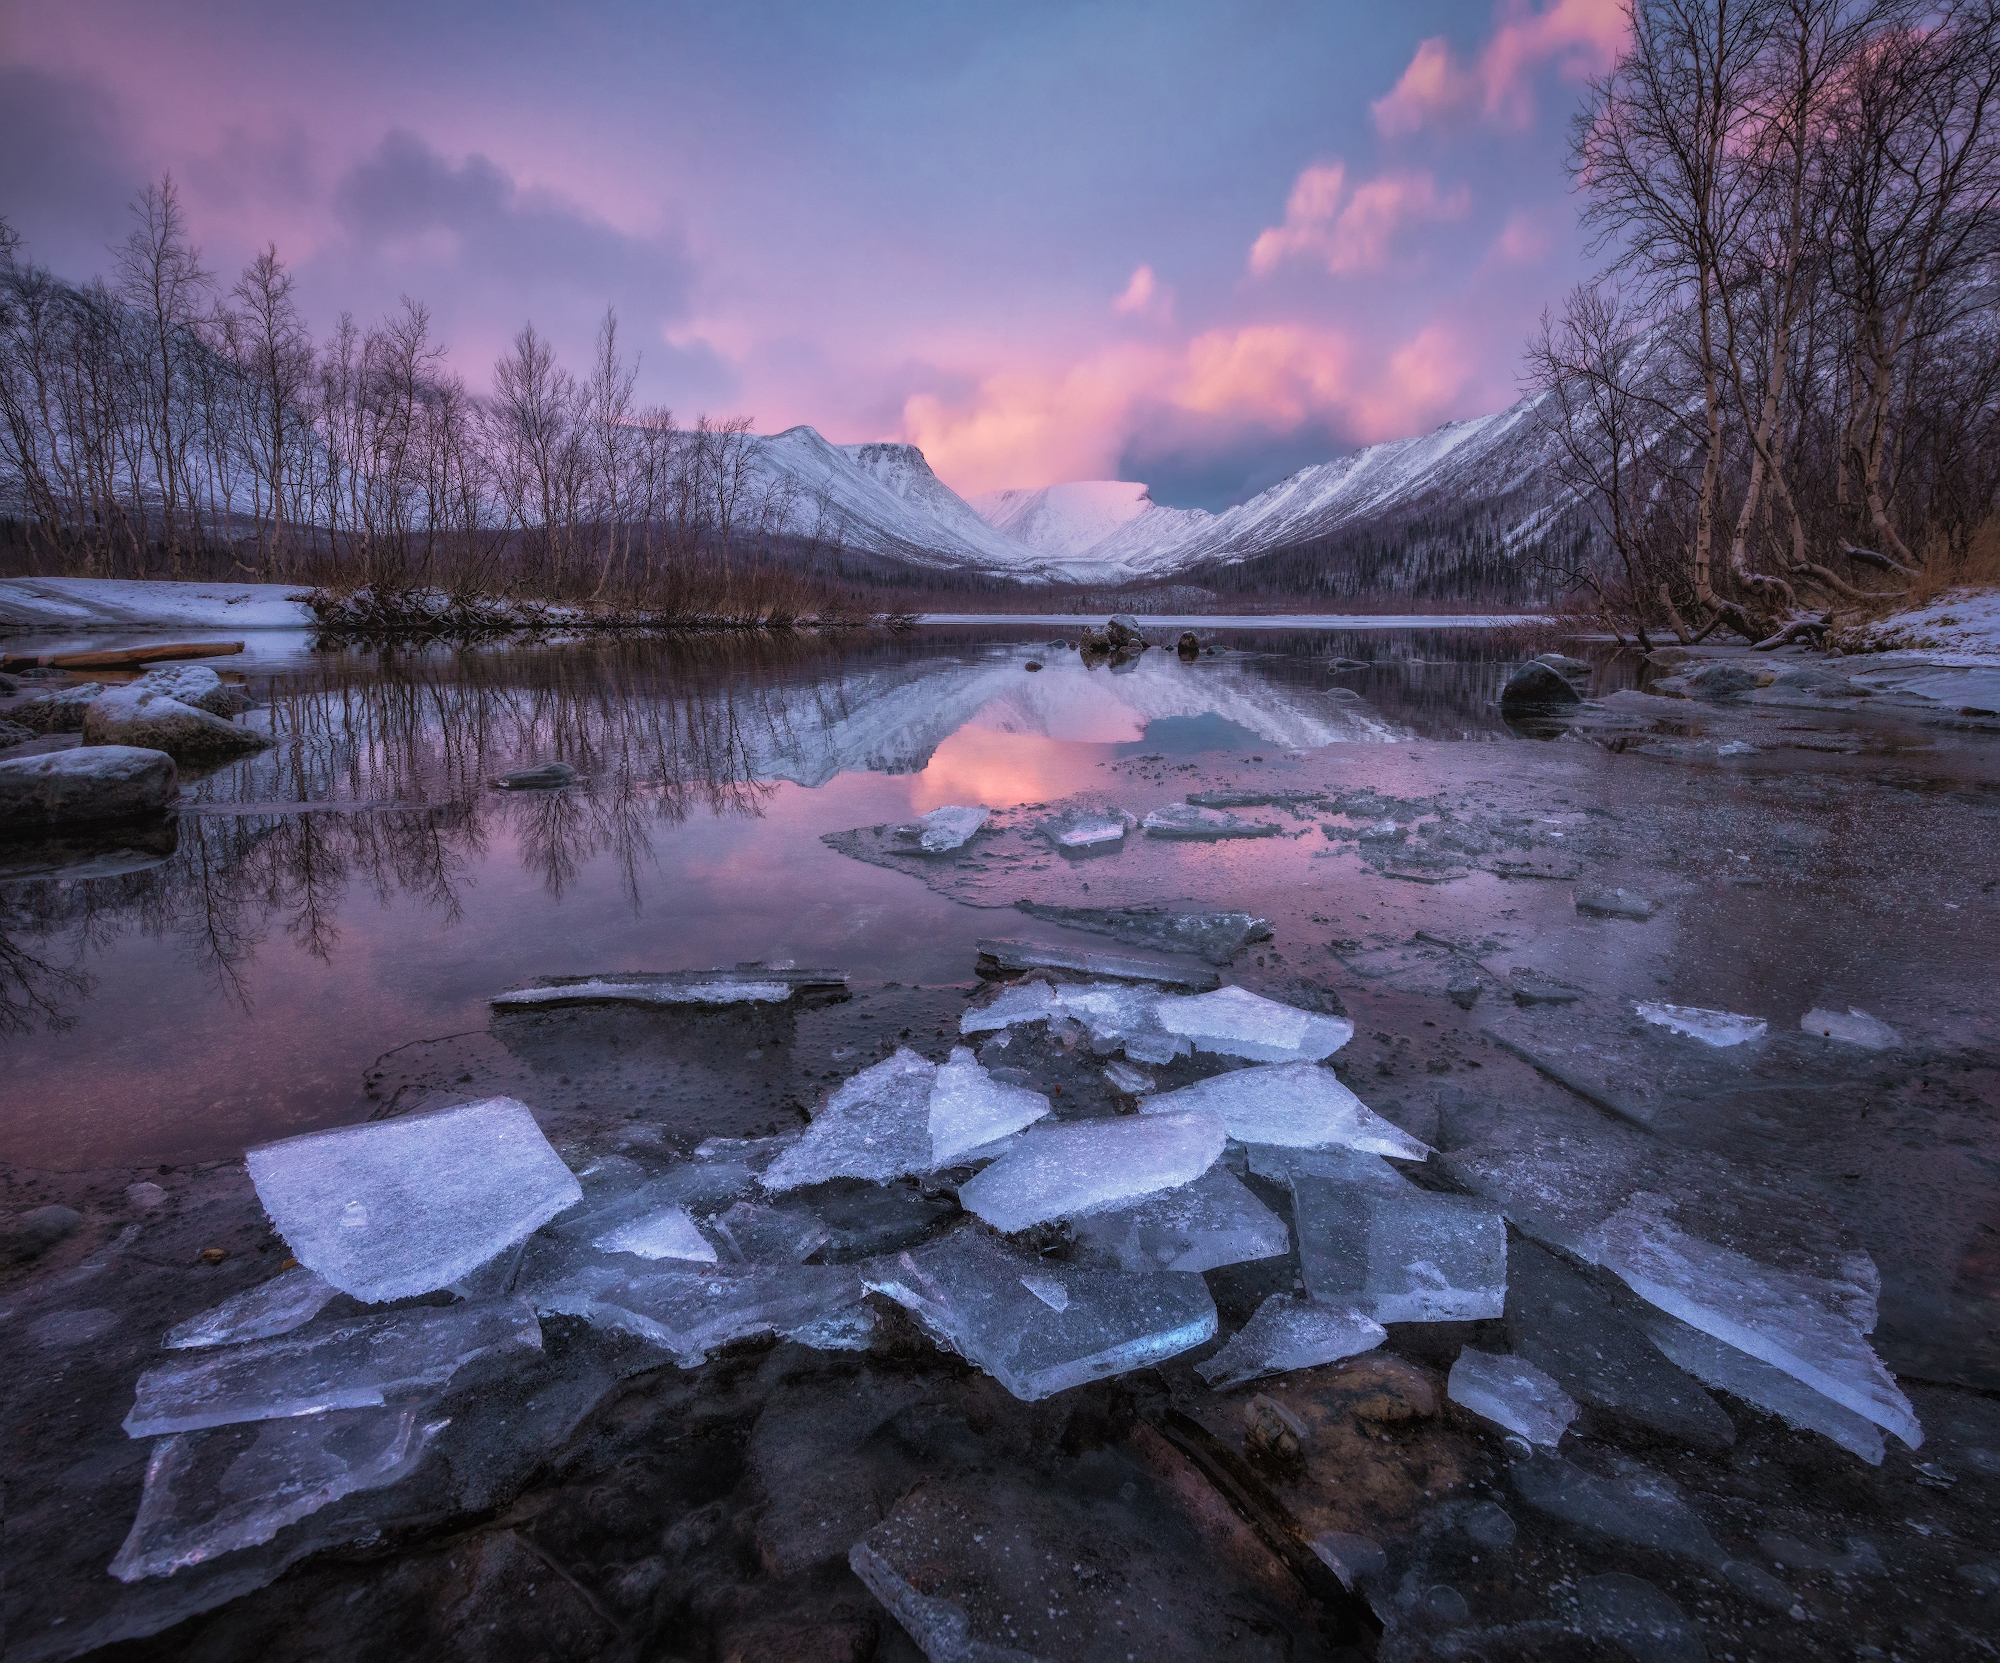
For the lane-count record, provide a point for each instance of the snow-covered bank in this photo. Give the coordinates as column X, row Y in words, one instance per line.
column 42, row 604
column 1959, row 627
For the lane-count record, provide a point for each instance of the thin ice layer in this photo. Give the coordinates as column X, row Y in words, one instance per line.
column 689, row 1312
column 1716, row 1028
column 1299, row 1105
column 1086, row 1166
column 358, row 1363
column 1356, row 1167
column 1770, row 1389
column 1857, row 1027
column 211, row 1493
column 1213, row 1221
column 876, row 1125
column 969, row 1107
column 1184, row 820
column 1084, row 828
column 968, row 1290
column 1021, row 1003
column 289, row 1300
column 746, row 992
column 1287, row 1333
column 1234, row 1022
column 1406, row 1256
column 400, row 1207
column 1513, row 1394
column 657, row 1233
column 1795, row 1323
column 752, row 1235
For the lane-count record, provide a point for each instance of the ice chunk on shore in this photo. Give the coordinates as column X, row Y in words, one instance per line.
column 1287, row 1333
column 1857, row 1027
column 1513, row 1394
column 1770, row 1389
column 754, row 1235
column 1086, row 1166
column 1299, row 1105
column 1085, row 828
column 1403, row 1256
column 689, row 1312
column 1213, row 1221
column 876, row 1125
column 1234, row 1022
column 358, row 1363
column 1357, row 1167
column 657, row 1233
column 1796, row 1323
column 1127, row 1081
column 399, row 1207
column 606, row 990
column 1022, row 1003
column 289, row 1300
column 211, row 1493
column 969, row 1291
column 1717, row 1028
column 943, row 829
column 1185, row 820
column 1116, row 1017
column 1124, row 967
column 969, row 1107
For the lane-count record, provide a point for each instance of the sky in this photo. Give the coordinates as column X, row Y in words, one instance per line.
column 1199, row 246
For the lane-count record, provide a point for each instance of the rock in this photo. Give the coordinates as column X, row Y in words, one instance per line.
column 12, row 733
column 1572, row 669
column 31, row 1234
column 58, row 712
column 1188, row 646
column 550, row 776
column 105, row 782
column 1537, row 687
column 1123, row 632
column 196, row 686
column 1720, row 681
column 1032, row 664
column 1352, row 664
column 1535, row 987
column 1463, row 989
column 1666, row 657
column 1613, row 903
column 136, row 715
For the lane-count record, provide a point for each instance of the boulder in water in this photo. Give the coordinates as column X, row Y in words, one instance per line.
column 138, row 715
column 100, row 782
column 1536, row 686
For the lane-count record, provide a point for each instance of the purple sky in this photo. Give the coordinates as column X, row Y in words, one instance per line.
column 1200, row 246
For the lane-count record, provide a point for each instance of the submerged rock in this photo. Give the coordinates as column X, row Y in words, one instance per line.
column 549, row 776
column 1614, row 903
column 102, row 782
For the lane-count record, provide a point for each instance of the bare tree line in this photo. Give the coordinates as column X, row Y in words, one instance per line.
column 154, row 425
column 1782, row 396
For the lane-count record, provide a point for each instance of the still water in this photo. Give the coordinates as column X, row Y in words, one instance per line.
column 362, row 885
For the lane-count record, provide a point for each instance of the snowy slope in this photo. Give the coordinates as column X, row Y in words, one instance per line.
column 1068, row 520
column 85, row 603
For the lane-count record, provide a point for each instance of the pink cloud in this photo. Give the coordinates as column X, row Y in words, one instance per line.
column 1581, row 37
column 1524, row 239
column 1145, row 297
column 1357, row 235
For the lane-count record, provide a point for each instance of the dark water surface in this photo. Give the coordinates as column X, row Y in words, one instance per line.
column 361, row 885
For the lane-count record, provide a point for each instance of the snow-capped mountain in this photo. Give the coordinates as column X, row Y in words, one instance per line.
column 883, row 499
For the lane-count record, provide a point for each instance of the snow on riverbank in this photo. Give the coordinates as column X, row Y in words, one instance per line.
column 36, row 604
column 1959, row 627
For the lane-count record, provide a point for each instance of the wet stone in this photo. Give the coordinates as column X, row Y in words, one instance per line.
column 548, row 776
column 1614, row 903
column 1537, row 686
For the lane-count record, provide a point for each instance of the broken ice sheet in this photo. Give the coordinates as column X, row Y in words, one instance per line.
column 1513, row 1394
column 1287, row 1333
column 752, row 1235
column 1085, row 1166
column 1234, row 1022
column 211, row 1493
column 356, row 1363
column 610, row 991
column 1121, row 1018
column 289, row 1300
column 1023, row 1002
column 876, row 1125
column 968, row 1107
column 689, row 1312
column 1300, row 1105
column 1404, row 1256
column 1185, row 820
column 1800, row 1324
column 971, row 1292
column 1085, row 828
column 1717, row 1028
column 1216, row 936
column 943, row 829
column 399, row 1207
column 1127, row 1081
column 1857, row 1027
column 660, row 1232
column 1211, row 1222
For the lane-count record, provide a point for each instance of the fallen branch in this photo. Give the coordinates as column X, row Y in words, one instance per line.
column 1870, row 557
column 1799, row 629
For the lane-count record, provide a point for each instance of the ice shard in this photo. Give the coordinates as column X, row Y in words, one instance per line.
column 998, row 955
column 1085, row 828
column 943, row 829
column 1213, row 1221
column 1716, row 1028
column 1122, row 1018
column 876, row 1125
column 661, row 1232
column 689, row 1312
column 1234, row 1022
column 1300, row 1105
column 968, row 1290
column 289, row 1300
column 1287, row 1333
column 1513, row 1394
column 1857, row 1027
column 1400, row 1256
column 1086, row 1166
column 968, row 1107
column 1023, row 1002
column 1186, row 821
column 754, row 1235
column 399, row 1207
column 1799, row 1324
column 356, row 1363
column 211, row 1493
